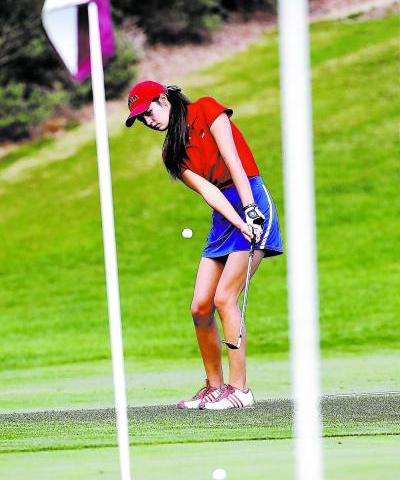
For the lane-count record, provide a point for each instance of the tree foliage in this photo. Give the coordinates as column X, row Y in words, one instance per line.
column 173, row 21
column 181, row 21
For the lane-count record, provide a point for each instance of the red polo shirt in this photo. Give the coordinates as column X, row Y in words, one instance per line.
column 203, row 154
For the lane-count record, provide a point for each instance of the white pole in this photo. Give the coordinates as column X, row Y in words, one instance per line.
column 114, row 310
column 301, row 237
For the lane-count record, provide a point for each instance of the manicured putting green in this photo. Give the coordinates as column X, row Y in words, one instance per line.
column 355, row 458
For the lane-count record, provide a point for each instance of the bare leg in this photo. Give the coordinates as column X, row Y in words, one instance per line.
column 226, row 298
column 202, row 309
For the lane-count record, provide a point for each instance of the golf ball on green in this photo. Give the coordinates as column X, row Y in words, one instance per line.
column 187, row 233
column 219, row 474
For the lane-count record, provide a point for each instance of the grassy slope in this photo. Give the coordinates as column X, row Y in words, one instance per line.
column 52, row 302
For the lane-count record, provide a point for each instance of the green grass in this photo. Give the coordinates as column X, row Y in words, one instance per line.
column 55, row 345
column 271, row 420
column 358, row 458
column 89, row 384
column 66, row 396
column 52, row 303
column 25, row 150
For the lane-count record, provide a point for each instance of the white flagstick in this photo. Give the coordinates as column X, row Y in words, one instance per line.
column 114, row 310
column 301, row 238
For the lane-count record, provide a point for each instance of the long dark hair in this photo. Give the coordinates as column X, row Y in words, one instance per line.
column 174, row 148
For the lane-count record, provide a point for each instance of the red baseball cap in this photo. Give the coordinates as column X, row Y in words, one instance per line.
column 140, row 97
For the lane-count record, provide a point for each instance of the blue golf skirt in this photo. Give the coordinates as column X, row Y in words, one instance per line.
column 224, row 238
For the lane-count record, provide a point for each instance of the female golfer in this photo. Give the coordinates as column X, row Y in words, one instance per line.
column 208, row 153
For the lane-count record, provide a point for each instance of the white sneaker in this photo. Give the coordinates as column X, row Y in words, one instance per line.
column 204, row 394
column 230, row 397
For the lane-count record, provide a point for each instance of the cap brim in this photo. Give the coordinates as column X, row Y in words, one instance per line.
column 137, row 111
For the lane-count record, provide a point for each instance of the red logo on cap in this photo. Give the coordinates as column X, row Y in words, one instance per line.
column 132, row 99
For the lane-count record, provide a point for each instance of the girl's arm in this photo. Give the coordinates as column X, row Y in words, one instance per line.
column 222, row 132
column 217, row 200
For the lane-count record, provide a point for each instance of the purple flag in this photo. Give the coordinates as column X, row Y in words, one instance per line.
column 67, row 26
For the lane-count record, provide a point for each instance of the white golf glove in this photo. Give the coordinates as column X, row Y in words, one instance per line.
column 255, row 220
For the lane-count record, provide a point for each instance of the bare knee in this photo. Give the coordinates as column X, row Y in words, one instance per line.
column 225, row 301
column 202, row 313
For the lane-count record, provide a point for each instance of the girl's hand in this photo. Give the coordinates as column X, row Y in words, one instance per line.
column 247, row 232
column 254, row 219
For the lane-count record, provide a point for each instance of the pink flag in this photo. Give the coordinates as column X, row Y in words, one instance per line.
column 67, row 26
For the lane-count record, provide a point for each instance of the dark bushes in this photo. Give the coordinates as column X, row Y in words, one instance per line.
column 33, row 82
column 180, row 21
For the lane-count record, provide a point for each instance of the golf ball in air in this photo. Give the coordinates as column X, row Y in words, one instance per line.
column 219, row 474
column 187, row 233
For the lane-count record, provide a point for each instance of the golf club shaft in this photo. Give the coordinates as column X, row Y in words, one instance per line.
column 246, row 289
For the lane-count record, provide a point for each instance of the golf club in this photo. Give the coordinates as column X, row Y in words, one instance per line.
column 236, row 346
